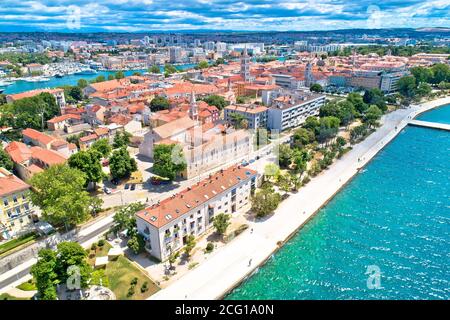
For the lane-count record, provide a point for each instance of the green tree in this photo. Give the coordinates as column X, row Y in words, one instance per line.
column 285, row 155
column 217, row 101
column 119, row 75
column 82, row 83
column 124, row 219
column 154, row 69
column 100, row 78
column 73, row 94
column 5, row 160
column 302, row 137
column 102, row 146
column 169, row 69
column 312, row 123
column 60, row 193
column 71, row 254
column 136, row 243
column 159, row 103
column 316, row 88
column 221, row 222
column 121, row 164
column 407, row 86
column 111, row 77
column 238, row 120
column 422, row 74
column 168, row 161
column 358, row 102
column 372, row 115
column 121, row 139
column 329, row 127
column 423, row 89
column 88, row 162
column 441, row 72
column 190, row 245
column 375, row 96
column 265, row 201
column 346, row 112
column 44, row 274
column 300, row 158
column 202, row 65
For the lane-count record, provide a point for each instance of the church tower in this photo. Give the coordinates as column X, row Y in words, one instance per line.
column 193, row 108
column 309, row 79
column 245, row 66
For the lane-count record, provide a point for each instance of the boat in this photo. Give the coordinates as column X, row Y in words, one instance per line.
column 4, row 83
column 36, row 79
column 86, row 71
column 59, row 75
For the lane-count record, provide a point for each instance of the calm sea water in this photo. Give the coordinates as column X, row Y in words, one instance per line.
column 21, row 86
column 394, row 215
column 441, row 115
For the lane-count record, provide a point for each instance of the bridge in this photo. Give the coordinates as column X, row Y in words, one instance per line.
column 432, row 125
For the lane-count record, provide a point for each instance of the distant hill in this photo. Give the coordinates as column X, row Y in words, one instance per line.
column 438, row 29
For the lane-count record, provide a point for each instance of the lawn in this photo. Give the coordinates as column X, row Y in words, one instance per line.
column 99, row 252
column 121, row 274
column 5, row 296
column 7, row 246
column 27, row 286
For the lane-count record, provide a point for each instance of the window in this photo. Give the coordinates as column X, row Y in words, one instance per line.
column 15, row 199
column 5, row 202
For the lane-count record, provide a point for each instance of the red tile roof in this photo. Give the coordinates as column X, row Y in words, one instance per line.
column 10, row 184
column 32, row 93
column 38, row 136
column 190, row 198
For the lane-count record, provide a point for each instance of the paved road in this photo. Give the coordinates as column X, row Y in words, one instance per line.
column 85, row 237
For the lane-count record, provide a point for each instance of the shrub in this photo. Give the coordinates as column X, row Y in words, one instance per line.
column 134, row 281
column 94, row 246
column 101, row 242
column 130, row 291
column 209, row 247
column 144, row 287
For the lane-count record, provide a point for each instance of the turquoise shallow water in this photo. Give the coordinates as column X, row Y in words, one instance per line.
column 21, row 86
column 441, row 115
column 395, row 215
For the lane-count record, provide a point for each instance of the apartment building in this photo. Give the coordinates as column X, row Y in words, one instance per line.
column 17, row 214
column 255, row 115
column 289, row 109
column 167, row 224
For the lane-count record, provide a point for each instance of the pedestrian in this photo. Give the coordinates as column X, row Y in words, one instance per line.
column 251, row 231
column 249, row 262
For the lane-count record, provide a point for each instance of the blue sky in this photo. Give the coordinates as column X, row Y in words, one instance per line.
column 251, row 15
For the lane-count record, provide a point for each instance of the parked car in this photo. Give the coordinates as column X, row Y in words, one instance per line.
column 105, row 163
column 244, row 163
column 156, row 180
column 115, row 181
column 252, row 160
column 106, row 190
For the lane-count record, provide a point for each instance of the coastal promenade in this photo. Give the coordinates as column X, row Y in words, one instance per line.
column 228, row 266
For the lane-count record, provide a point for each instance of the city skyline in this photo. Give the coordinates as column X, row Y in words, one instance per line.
column 253, row 15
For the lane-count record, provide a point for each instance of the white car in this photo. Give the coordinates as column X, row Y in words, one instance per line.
column 107, row 190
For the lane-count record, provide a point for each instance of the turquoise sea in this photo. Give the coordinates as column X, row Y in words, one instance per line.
column 441, row 115
column 394, row 215
column 21, row 86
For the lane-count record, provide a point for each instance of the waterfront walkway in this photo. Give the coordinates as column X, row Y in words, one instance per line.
column 237, row 260
column 432, row 125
